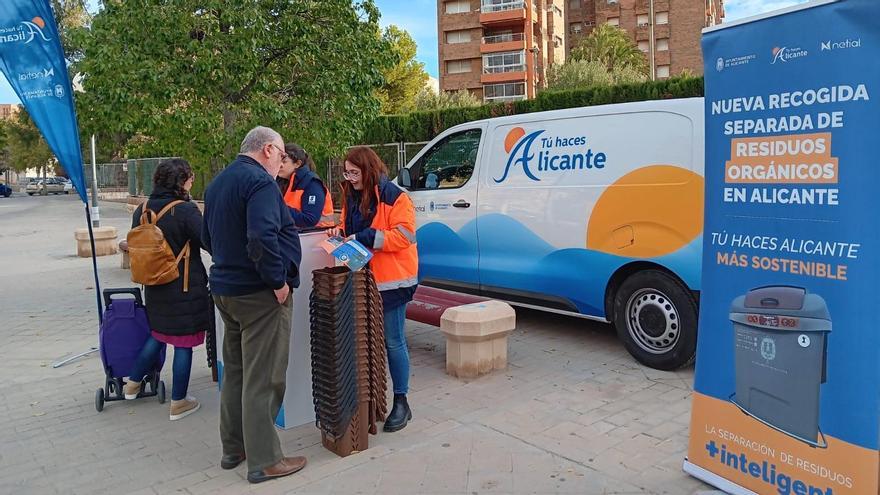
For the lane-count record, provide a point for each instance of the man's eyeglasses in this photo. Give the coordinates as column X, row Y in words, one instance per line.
column 283, row 154
column 353, row 175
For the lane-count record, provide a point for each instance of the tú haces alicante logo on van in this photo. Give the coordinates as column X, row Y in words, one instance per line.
column 538, row 154
column 24, row 32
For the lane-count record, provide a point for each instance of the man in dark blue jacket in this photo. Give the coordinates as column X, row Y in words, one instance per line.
column 256, row 253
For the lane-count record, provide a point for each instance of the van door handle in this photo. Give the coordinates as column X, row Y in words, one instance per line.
column 461, row 204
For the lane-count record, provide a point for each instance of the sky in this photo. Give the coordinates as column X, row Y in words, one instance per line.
column 419, row 18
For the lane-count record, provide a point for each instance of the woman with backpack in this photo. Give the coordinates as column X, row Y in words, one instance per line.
column 303, row 191
column 179, row 311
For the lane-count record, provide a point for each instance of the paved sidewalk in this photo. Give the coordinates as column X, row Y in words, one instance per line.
column 574, row 413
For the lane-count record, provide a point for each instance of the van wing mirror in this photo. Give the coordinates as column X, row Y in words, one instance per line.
column 404, row 178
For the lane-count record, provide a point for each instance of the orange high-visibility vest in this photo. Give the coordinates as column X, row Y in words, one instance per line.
column 293, row 199
column 395, row 262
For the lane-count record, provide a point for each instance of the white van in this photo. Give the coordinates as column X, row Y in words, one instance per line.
column 595, row 212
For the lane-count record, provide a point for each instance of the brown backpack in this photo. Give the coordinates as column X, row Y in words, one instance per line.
column 152, row 260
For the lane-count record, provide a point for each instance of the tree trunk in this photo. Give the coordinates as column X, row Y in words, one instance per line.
column 229, row 118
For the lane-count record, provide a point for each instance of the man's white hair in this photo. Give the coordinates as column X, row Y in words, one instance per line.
column 257, row 138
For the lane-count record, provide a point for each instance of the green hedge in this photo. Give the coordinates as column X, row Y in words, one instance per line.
column 424, row 126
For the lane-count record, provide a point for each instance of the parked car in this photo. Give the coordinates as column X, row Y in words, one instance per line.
column 68, row 185
column 52, row 185
column 5, row 190
column 561, row 211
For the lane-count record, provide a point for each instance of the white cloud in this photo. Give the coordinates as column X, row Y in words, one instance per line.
column 737, row 9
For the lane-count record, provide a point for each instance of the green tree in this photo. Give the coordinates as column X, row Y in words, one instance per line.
column 188, row 78
column 612, row 47
column 428, row 100
column 25, row 145
column 581, row 74
column 406, row 78
column 4, row 151
column 70, row 15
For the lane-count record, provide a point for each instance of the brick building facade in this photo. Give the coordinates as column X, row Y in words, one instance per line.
column 9, row 110
column 499, row 49
column 676, row 26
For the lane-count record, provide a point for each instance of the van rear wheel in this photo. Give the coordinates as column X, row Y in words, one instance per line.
column 655, row 316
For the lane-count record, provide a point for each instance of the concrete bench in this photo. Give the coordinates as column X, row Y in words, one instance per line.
column 105, row 241
column 428, row 304
column 476, row 329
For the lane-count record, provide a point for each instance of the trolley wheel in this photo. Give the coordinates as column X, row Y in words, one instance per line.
column 99, row 399
column 161, row 392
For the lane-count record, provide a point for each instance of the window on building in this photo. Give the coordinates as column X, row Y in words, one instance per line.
column 662, row 71
column 574, row 4
column 448, row 164
column 663, row 44
column 458, row 7
column 575, row 28
column 458, row 66
column 504, row 62
column 463, row 36
column 504, row 92
column 613, row 21
column 642, row 19
column 501, row 5
column 643, row 46
column 661, row 18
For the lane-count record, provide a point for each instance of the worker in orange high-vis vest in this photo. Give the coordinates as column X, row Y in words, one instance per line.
column 380, row 215
column 304, row 192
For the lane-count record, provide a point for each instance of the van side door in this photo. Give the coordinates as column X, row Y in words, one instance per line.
column 444, row 192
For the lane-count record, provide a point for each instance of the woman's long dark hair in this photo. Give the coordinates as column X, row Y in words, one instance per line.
column 298, row 154
column 172, row 174
column 371, row 167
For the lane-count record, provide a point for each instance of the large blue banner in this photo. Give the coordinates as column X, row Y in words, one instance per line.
column 33, row 61
column 787, row 386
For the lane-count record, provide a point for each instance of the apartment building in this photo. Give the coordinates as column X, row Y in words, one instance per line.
column 668, row 31
column 8, row 111
column 499, row 49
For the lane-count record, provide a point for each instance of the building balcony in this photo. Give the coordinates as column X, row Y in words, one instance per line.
column 503, row 99
column 503, row 43
column 494, row 12
column 493, row 75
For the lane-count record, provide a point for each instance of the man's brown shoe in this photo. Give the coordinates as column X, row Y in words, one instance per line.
column 286, row 466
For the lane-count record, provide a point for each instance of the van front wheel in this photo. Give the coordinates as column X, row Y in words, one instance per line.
column 656, row 318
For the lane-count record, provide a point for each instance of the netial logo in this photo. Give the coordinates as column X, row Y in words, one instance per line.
column 827, row 46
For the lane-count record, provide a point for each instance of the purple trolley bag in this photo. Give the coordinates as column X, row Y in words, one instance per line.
column 121, row 337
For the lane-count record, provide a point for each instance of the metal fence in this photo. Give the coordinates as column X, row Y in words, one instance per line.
column 139, row 175
column 136, row 175
column 111, row 176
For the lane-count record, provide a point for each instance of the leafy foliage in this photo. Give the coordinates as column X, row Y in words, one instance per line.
column 423, row 126
column 189, row 78
column 428, row 100
column 406, row 78
column 24, row 144
column 577, row 74
column 613, row 48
